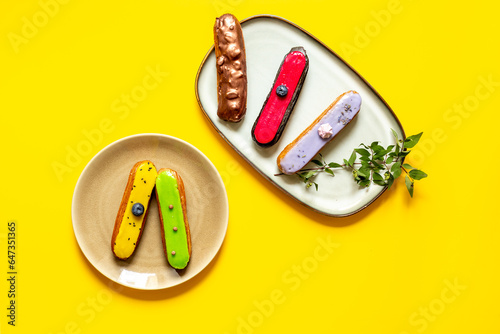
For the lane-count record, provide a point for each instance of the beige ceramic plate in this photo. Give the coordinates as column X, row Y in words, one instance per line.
column 97, row 198
column 267, row 40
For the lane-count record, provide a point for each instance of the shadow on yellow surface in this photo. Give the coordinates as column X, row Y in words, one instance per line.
column 152, row 294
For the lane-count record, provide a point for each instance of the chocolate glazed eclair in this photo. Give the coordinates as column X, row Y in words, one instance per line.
column 231, row 69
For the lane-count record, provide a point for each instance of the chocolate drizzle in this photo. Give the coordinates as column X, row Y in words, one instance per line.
column 231, row 68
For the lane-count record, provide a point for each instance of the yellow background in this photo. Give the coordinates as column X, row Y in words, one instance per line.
column 392, row 265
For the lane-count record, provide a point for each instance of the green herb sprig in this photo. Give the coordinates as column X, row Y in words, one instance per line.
column 377, row 164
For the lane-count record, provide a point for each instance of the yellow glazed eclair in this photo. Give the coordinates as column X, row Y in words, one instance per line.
column 131, row 217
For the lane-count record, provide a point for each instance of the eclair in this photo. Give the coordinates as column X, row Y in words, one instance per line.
column 171, row 199
column 280, row 101
column 322, row 130
column 131, row 217
column 231, row 69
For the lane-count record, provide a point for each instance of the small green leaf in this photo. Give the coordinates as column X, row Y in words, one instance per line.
column 409, row 185
column 389, row 160
column 352, row 158
column 310, row 174
column 417, row 174
column 395, row 167
column 322, row 159
column 378, row 179
column 396, row 170
column 315, row 186
column 407, row 166
column 403, row 154
column 317, row 162
column 380, row 155
column 329, row 171
column 366, row 163
column 362, row 152
column 376, row 165
column 412, row 140
column 390, row 181
column 397, row 173
column 364, row 183
column 376, row 147
column 394, row 133
column 364, row 172
column 334, row 165
column 305, row 176
column 346, row 163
